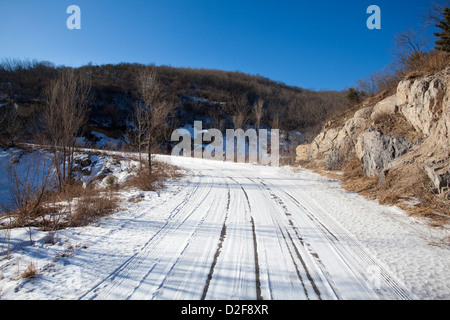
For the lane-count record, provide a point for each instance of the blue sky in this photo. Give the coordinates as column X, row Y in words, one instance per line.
column 311, row 44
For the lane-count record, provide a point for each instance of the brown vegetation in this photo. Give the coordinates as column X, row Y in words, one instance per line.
column 407, row 187
column 92, row 206
column 396, row 124
column 72, row 207
column 411, row 65
column 30, row 272
column 153, row 180
column 195, row 93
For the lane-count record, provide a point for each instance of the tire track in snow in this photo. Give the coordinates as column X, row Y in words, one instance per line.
column 219, row 247
column 257, row 274
column 240, row 256
column 161, row 286
column 296, row 251
column 297, row 270
column 390, row 288
column 140, row 293
column 255, row 246
column 185, row 265
column 115, row 279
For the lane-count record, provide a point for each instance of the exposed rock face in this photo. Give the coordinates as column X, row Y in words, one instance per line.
column 341, row 138
column 324, row 142
column 385, row 106
column 379, row 151
column 303, row 152
column 422, row 103
column 439, row 176
column 364, row 113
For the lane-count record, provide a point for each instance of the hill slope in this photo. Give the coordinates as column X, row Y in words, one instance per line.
column 198, row 94
column 394, row 147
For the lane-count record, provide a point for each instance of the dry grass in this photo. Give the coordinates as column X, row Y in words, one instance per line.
column 93, row 206
column 147, row 181
column 76, row 205
column 81, row 205
column 428, row 63
column 354, row 179
column 30, row 272
column 396, row 125
column 152, row 181
column 28, row 215
column 411, row 182
column 72, row 207
column 406, row 186
column 400, row 185
column 69, row 192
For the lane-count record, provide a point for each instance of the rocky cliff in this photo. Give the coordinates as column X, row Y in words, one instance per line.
column 402, row 135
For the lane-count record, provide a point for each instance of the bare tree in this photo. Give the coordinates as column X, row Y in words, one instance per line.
column 435, row 13
column 258, row 112
column 411, row 41
column 381, row 80
column 139, row 129
column 151, row 111
column 409, row 47
column 238, row 109
column 66, row 110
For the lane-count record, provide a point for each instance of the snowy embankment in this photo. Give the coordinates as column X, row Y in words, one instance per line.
column 234, row 231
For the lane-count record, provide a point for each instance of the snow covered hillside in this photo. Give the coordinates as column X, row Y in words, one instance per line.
column 234, row 231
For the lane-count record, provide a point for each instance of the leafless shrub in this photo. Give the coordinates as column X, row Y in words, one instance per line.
column 36, row 204
column 27, row 189
column 148, row 181
column 77, row 206
column 407, row 44
column 383, row 80
column 154, row 180
column 91, row 207
column 435, row 13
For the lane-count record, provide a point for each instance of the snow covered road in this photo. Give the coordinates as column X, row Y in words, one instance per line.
column 241, row 231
